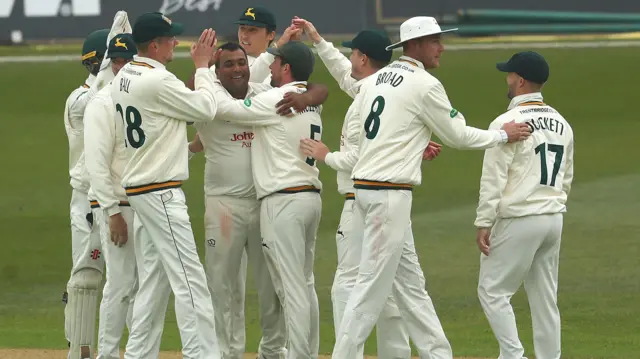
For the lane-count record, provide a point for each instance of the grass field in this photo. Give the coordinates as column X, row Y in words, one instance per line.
column 595, row 89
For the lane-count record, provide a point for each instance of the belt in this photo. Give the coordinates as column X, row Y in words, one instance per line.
column 350, row 196
column 152, row 187
column 377, row 185
column 299, row 189
column 95, row 204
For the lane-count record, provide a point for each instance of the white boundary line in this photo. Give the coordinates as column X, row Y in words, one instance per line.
column 452, row 47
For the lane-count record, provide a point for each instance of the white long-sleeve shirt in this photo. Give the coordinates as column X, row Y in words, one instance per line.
column 343, row 161
column 105, row 152
column 530, row 177
column 399, row 112
column 276, row 159
column 227, row 151
column 156, row 107
column 74, row 127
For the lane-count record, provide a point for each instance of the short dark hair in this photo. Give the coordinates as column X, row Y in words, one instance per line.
column 295, row 72
column 230, row 46
column 378, row 64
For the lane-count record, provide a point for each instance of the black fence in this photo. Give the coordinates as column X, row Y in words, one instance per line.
column 57, row 19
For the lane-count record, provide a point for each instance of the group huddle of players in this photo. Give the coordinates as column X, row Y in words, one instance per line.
column 259, row 126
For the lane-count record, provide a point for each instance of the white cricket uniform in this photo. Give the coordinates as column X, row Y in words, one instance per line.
column 86, row 251
column 523, row 195
column 155, row 107
column 287, row 183
column 392, row 335
column 106, row 157
column 232, row 228
column 399, row 111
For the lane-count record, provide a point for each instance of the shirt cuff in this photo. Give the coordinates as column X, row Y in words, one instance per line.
column 503, row 136
column 202, row 70
column 330, row 160
column 191, row 154
column 322, row 45
column 110, row 211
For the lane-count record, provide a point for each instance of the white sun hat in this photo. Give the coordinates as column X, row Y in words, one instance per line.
column 416, row 27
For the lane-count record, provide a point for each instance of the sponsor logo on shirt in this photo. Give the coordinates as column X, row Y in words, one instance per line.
column 453, row 113
column 244, row 137
column 247, row 102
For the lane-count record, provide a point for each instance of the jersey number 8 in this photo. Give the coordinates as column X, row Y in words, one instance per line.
column 372, row 123
column 133, row 122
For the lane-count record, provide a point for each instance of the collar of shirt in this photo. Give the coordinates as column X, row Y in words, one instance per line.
column 529, row 97
column 90, row 80
column 296, row 84
column 413, row 61
column 149, row 61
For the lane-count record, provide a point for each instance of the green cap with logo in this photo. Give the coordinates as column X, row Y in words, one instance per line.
column 529, row 65
column 372, row 43
column 122, row 45
column 95, row 45
column 152, row 25
column 257, row 16
column 299, row 56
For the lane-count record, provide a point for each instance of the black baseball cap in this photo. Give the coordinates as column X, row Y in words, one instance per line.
column 257, row 16
column 372, row 43
column 122, row 45
column 299, row 56
column 529, row 65
column 152, row 25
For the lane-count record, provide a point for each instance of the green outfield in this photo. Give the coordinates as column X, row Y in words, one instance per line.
column 595, row 89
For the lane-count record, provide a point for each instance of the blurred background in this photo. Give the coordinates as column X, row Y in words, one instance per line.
column 64, row 20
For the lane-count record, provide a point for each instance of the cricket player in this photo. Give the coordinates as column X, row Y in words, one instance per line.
column 155, row 107
column 256, row 32
column 232, row 209
column 398, row 112
column 523, row 195
column 368, row 56
column 106, row 157
column 288, row 186
column 87, row 261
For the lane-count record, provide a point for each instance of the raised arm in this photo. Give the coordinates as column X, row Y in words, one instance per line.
column 338, row 65
column 450, row 126
column 315, row 95
column 257, row 111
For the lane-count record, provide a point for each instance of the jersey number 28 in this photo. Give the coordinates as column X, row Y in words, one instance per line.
column 542, row 150
column 133, row 122
column 372, row 123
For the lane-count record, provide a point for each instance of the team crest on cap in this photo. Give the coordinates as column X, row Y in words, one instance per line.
column 250, row 13
column 166, row 19
column 120, row 44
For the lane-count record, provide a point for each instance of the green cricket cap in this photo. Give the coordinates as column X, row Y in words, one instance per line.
column 122, row 45
column 95, row 44
column 529, row 65
column 299, row 56
column 372, row 43
column 257, row 16
column 152, row 25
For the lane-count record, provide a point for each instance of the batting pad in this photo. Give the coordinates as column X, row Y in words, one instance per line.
column 81, row 311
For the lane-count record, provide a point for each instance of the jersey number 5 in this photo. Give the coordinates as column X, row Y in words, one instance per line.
column 314, row 129
column 372, row 123
column 544, row 175
column 133, row 122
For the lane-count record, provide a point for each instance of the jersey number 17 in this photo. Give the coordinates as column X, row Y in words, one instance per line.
column 542, row 150
column 133, row 120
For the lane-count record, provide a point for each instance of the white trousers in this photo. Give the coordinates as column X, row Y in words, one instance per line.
column 525, row 250
column 388, row 264
column 392, row 335
column 171, row 263
column 121, row 284
column 289, row 225
column 232, row 228
column 86, row 250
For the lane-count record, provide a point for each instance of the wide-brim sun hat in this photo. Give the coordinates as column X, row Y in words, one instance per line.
column 416, row 27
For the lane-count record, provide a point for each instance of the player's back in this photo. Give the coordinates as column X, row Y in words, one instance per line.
column 156, row 141
column 277, row 161
column 392, row 136
column 541, row 172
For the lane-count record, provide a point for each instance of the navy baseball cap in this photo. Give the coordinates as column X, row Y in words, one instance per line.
column 152, row 25
column 257, row 16
column 122, row 45
column 372, row 43
column 529, row 65
column 298, row 55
